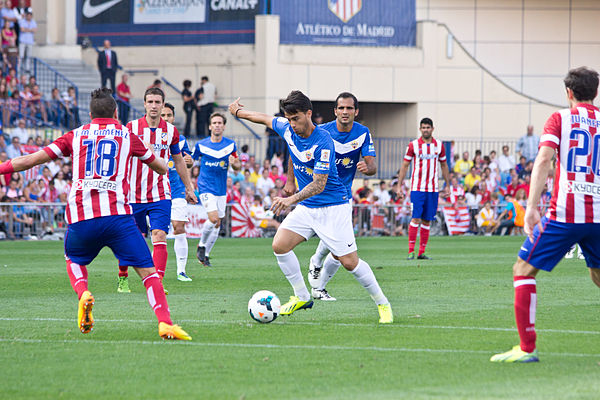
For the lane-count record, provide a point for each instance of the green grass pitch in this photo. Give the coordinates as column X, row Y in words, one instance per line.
column 451, row 314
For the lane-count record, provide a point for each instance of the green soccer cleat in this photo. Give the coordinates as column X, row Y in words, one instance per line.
column 183, row 277
column 295, row 304
column 385, row 313
column 516, row 355
column 123, row 285
column 411, row 256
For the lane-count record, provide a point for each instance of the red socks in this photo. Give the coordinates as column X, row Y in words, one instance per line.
column 123, row 271
column 413, row 229
column 159, row 256
column 424, row 238
column 78, row 276
column 157, row 298
column 525, row 306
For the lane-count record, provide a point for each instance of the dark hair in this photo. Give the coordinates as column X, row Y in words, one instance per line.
column 583, row 81
column 187, row 83
column 154, row 90
column 426, row 121
column 103, row 104
column 204, row 78
column 157, row 82
column 296, row 102
column 217, row 114
column 170, row 106
column 244, row 148
column 257, row 198
column 347, row 95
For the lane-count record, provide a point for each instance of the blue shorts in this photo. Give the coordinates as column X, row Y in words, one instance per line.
column 557, row 238
column 424, row 205
column 85, row 239
column 158, row 212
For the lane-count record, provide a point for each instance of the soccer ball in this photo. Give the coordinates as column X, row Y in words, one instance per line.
column 264, row 306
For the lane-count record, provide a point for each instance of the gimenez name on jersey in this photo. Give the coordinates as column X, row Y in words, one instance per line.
column 102, row 132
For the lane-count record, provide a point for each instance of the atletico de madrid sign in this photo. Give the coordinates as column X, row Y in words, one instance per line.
column 345, row 9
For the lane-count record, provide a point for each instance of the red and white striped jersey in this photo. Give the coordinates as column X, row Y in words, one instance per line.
column 148, row 186
column 101, row 153
column 573, row 133
column 425, row 167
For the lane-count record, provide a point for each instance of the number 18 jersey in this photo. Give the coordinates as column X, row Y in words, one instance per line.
column 101, row 153
column 573, row 133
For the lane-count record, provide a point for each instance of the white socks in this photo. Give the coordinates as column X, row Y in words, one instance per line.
column 330, row 267
column 181, row 252
column 364, row 275
column 320, row 253
column 290, row 267
column 207, row 229
column 210, row 242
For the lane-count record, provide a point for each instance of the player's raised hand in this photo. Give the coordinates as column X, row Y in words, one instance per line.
column 235, row 106
column 280, row 204
column 290, row 187
column 362, row 167
column 532, row 218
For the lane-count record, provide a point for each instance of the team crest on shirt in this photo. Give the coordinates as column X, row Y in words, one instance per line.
column 325, row 155
column 163, row 136
column 354, row 144
column 308, row 154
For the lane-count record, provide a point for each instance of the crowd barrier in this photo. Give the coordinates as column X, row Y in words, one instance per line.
column 26, row 221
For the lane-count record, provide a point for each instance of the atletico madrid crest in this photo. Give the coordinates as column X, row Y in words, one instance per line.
column 344, row 9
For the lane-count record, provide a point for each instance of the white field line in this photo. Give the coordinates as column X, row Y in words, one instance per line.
column 324, row 323
column 274, row 346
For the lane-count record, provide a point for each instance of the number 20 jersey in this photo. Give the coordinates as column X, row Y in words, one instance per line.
column 573, row 133
column 102, row 153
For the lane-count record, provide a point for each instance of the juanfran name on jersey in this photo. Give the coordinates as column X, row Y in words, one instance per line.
column 214, row 162
column 313, row 155
column 573, row 133
column 349, row 146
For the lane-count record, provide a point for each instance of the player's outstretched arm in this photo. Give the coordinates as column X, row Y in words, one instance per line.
column 237, row 109
column 23, row 163
column 312, row 189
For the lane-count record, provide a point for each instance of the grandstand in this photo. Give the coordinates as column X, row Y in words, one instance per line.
column 482, row 70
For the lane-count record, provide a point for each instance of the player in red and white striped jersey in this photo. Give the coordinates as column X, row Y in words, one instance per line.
column 150, row 194
column 572, row 135
column 98, row 211
column 426, row 152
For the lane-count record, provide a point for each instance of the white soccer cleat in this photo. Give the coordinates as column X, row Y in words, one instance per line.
column 571, row 253
column 321, row 294
column 314, row 273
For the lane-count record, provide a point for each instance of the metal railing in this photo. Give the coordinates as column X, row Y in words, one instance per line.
column 48, row 78
column 22, row 221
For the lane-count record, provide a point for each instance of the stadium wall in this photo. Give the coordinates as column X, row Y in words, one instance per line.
column 465, row 100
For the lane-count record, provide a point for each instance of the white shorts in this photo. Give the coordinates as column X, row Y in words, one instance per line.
column 333, row 225
column 179, row 210
column 210, row 202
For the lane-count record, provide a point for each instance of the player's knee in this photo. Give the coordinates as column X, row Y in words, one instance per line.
column 349, row 261
column 214, row 219
column 522, row 268
column 595, row 274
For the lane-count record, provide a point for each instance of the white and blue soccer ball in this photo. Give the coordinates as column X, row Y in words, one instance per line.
column 264, row 306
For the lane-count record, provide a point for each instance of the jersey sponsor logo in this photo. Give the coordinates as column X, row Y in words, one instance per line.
column 171, row 164
column 371, row 148
column 159, row 147
column 321, row 165
column 215, row 164
column 346, row 162
column 325, row 155
column 427, row 156
column 303, row 169
column 98, row 184
column 585, row 188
